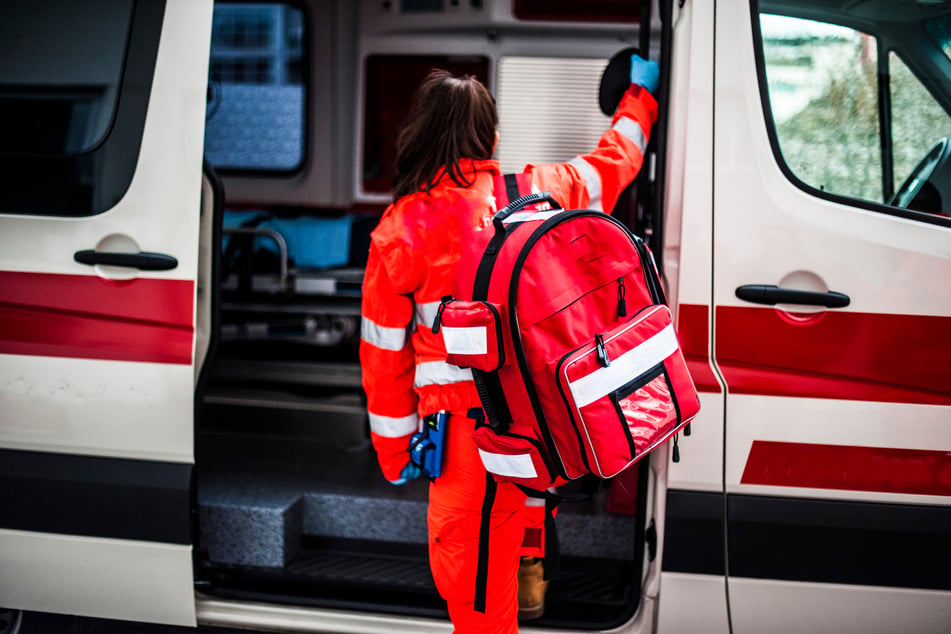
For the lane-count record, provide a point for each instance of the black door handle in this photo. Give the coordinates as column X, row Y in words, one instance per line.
column 770, row 294
column 144, row 261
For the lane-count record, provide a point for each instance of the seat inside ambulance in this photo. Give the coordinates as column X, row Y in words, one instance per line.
column 303, row 107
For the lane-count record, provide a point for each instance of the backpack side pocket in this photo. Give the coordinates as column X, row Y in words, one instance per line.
column 472, row 332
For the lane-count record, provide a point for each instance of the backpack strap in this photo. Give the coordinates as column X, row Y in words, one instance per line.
column 552, row 565
column 487, row 383
column 509, row 187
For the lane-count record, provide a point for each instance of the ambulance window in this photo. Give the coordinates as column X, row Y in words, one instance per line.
column 256, row 90
column 913, row 108
column 390, row 81
column 861, row 113
column 74, row 86
column 823, row 97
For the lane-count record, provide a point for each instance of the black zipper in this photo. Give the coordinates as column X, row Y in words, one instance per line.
column 621, row 293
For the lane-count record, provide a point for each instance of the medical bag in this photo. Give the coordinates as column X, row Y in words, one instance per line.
column 561, row 317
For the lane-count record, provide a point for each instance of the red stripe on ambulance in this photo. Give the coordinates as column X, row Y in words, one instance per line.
column 87, row 317
column 693, row 326
column 840, row 355
column 880, row 469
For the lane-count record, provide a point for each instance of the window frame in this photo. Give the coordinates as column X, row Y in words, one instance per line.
column 884, row 109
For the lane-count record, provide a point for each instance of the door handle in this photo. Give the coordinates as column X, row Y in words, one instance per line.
column 771, row 294
column 143, row 260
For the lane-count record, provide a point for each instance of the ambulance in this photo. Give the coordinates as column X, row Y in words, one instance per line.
column 187, row 189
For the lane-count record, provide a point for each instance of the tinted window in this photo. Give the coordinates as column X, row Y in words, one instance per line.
column 63, row 107
column 74, row 88
column 391, row 81
column 577, row 10
column 255, row 115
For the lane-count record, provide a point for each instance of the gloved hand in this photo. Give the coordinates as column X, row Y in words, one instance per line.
column 645, row 72
column 409, row 472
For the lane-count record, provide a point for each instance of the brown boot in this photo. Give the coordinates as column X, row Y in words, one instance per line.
column 531, row 588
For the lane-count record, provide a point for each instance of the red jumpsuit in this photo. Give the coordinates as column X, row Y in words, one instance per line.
column 412, row 261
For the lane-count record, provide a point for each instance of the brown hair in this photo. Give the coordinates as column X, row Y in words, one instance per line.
column 453, row 118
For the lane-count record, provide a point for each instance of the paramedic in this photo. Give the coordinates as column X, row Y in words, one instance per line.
column 443, row 191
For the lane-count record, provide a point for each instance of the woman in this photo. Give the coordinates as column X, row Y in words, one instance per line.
column 443, row 192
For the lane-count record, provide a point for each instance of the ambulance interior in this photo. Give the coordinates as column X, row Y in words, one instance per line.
column 304, row 100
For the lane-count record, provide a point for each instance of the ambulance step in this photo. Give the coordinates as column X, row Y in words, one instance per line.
column 408, row 572
column 350, row 404
column 395, row 578
column 344, row 375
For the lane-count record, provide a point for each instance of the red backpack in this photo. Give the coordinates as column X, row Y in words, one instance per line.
column 561, row 316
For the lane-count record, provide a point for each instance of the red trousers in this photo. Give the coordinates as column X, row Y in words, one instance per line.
column 458, row 503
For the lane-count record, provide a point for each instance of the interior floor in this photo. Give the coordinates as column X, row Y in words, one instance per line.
column 293, row 508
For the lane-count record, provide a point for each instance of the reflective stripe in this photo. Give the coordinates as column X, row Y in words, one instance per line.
column 383, row 337
column 519, row 466
column 630, row 129
column 393, row 427
column 525, row 216
column 592, row 181
column 425, row 314
column 440, row 373
column 470, row 340
column 632, row 363
column 534, row 502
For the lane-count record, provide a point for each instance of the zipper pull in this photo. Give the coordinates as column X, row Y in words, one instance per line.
column 601, row 351
column 687, row 429
column 676, row 457
column 621, row 292
column 442, row 306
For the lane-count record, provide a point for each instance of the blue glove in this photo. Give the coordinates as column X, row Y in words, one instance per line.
column 409, row 472
column 645, row 72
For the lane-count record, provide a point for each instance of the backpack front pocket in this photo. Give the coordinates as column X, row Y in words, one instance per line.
column 628, row 390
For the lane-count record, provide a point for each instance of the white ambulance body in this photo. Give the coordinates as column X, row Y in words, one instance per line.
column 182, row 432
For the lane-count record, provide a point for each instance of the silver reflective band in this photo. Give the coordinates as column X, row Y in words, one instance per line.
column 382, row 337
column 519, row 466
column 525, row 216
column 440, row 373
column 592, row 181
column 394, row 427
column 630, row 129
column 471, row 340
column 632, row 363
column 426, row 313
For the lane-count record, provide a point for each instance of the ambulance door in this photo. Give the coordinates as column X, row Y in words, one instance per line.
column 832, row 313
column 102, row 106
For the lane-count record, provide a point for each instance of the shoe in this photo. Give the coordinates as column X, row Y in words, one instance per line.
column 531, row 588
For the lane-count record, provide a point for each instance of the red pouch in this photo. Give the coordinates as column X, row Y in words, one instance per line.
column 472, row 332
column 513, row 457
